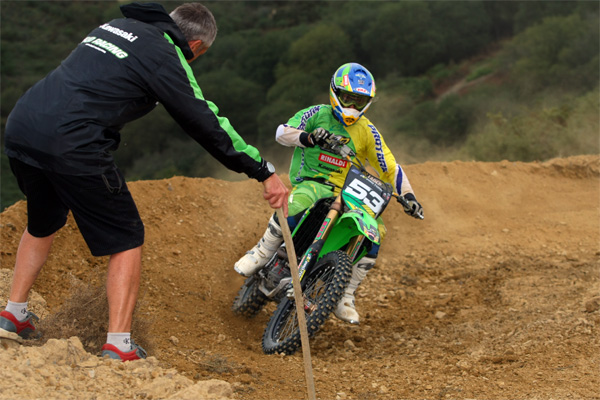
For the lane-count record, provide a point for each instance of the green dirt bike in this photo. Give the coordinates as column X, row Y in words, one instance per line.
column 331, row 236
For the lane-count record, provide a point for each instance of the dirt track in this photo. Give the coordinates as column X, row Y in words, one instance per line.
column 495, row 295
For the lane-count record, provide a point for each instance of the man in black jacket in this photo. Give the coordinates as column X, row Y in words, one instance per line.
column 60, row 135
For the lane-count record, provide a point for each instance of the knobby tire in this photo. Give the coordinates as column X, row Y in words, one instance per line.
column 249, row 300
column 324, row 286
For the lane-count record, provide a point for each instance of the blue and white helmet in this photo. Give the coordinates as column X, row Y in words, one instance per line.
column 351, row 92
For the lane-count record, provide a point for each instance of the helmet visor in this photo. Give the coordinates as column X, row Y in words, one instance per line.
column 348, row 99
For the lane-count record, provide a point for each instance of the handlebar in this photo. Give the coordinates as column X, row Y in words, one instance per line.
column 335, row 145
column 405, row 204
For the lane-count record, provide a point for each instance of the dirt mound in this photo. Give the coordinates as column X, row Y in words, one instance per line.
column 494, row 295
column 62, row 369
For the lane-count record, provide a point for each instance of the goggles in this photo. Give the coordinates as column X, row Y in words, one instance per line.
column 348, row 99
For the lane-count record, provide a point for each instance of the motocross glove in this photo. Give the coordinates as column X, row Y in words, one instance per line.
column 413, row 207
column 319, row 136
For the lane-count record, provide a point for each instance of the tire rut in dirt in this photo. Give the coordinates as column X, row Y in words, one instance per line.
column 323, row 286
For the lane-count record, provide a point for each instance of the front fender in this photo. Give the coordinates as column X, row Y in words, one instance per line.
column 350, row 224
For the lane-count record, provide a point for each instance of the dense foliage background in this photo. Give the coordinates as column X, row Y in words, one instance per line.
column 470, row 80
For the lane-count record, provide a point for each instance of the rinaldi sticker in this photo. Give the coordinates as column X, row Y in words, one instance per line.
column 338, row 162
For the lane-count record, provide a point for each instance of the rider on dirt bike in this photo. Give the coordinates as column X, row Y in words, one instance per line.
column 315, row 173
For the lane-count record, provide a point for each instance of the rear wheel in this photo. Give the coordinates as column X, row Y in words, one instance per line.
column 249, row 300
column 322, row 288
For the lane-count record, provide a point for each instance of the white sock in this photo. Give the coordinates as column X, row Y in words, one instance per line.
column 122, row 340
column 19, row 310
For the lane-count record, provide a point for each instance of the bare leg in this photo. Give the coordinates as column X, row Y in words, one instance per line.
column 122, row 286
column 31, row 256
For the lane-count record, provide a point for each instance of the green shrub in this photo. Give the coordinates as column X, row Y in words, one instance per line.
column 451, row 120
column 442, row 72
column 417, row 88
column 443, row 123
column 320, row 52
column 546, row 132
column 239, row 99
column 479, row 72
column 277, row 113
column 560, row 51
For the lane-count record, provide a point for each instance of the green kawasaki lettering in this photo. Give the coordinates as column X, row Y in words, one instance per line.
column 238, row 143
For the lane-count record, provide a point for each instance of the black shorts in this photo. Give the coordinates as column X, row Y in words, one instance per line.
column 102, row 206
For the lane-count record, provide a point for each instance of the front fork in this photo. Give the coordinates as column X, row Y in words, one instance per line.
column 311, row 255
column 353, row 246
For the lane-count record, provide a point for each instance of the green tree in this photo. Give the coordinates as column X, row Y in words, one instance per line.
column 402, row 39
column 530, row 13
column 464, row 27
column 290, row 94
column 320, row 51
column 239, row 99
column 560, row 51
column 258, row 58
column 568, row 129
column 271, row 117
column 501, row 16
column 354, row 17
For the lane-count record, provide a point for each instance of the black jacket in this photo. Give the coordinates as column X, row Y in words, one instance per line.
column 69, row 121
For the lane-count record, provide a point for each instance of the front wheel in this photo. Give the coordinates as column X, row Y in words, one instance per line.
column 322, row 287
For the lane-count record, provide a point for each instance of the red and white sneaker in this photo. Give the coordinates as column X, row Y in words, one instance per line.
column 136, row 353
column 25, row 329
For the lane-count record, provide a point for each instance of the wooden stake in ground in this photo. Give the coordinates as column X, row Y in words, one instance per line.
column 289, row 244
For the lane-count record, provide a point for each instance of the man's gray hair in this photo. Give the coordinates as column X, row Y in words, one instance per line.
column 196, row 22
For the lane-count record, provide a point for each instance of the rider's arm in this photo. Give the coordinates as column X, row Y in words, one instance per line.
column 289, row 136
column 384, row 162
column 295, row 133
column 400, row 182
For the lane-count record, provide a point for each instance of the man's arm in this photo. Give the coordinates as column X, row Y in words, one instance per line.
column 176, row 88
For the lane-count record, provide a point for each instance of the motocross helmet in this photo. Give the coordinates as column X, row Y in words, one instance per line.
column 351, row 92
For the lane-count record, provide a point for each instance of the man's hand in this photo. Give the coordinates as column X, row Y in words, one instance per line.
column 276, row 193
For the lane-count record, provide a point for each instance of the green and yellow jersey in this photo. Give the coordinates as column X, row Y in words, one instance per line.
column 315, row 163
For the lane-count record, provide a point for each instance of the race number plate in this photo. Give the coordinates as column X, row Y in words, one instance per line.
column 366, row 190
